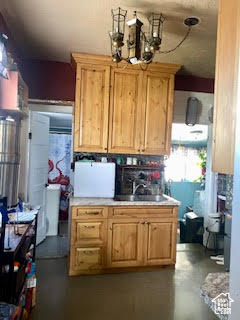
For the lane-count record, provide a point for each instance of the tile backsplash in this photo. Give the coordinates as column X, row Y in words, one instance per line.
column 225, row 187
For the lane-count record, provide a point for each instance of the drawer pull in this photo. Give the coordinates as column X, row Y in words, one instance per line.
column 88, row 252
column 94, row 212
column 89, row 227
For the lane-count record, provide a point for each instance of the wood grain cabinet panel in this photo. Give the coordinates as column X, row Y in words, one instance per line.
column 84, row 232
column 87, row 259
column 89, row 213
column 159, row 243
column 125, row 111
column 91, row 108
column 158, row 108
column 124, row 243
column 226, row 83
column 129, row 237
column 122, row 109
column 141, row 212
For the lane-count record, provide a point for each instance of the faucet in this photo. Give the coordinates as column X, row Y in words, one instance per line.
column 135, row 187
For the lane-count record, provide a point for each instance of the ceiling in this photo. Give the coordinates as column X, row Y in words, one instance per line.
column 52, row 29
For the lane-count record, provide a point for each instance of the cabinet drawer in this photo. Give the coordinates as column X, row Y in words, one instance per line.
column 89, row 213
column 87, row 258
column 88, row 231
column 137, row 212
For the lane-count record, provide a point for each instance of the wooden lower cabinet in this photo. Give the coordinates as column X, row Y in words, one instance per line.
column 88, row 232
column 160, row 242
column 124, row 238
column 125, row 243
column 86, row 260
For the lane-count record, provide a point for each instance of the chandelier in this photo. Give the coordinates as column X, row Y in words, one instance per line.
column 141, row 46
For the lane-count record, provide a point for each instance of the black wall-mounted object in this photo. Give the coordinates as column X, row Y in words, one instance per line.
column 192, row 111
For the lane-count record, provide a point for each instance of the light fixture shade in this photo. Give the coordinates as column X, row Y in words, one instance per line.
column 155, row 30
column 118, row 27
column 3, row 56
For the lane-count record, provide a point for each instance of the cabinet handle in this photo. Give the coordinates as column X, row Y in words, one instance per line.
column 142, row 222
column 139, row 150
column 105, row 148
column 143, row 150
column 95, row 212
column 88, row 252
column 89, row 227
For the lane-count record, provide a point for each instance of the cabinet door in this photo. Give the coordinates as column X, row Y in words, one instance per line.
column 226, row 82
column 160, row 241
column 158, row 104
column 125, row 243
column 125, row 111
column 91, row 108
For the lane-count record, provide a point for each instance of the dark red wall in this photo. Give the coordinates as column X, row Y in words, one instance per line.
column 49, row 80
column 53, row 80
column 190, row 83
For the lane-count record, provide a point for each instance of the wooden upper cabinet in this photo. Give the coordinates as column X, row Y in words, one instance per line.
column 226, row 82
column 125, row 111
column 122, row 109
column 91, row 108
column 158, row 91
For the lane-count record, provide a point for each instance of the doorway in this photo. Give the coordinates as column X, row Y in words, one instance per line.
column 185, row 174
column 58, row 185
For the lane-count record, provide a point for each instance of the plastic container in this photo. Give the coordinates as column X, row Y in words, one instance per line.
column 214, row 222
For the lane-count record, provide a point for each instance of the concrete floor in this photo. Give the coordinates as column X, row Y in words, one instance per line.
column 165, row 294
column 54, row 246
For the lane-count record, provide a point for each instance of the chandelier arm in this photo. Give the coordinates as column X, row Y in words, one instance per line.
column 179, row 44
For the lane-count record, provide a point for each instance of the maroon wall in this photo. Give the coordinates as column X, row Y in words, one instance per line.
column 49, row 80
column 53, row 80
column 190, row 83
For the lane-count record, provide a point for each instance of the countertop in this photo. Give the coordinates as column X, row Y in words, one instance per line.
column 75, row 201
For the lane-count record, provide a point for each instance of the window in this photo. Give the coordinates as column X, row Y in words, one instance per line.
column 183, row 164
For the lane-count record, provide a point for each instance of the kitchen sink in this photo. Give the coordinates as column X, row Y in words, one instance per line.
column 140, row 197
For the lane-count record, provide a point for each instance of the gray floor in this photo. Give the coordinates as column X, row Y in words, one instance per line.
column 165, row 294
column 54, row 246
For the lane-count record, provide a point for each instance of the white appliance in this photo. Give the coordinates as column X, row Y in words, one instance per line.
column 94, row 179
column 214, row 222
column 52, row 208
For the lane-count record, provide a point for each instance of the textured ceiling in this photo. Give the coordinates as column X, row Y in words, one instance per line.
column 51, row 29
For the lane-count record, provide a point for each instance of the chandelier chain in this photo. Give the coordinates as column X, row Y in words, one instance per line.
column 178, row 45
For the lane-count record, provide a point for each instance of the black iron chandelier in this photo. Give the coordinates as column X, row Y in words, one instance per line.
column 141, row 46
